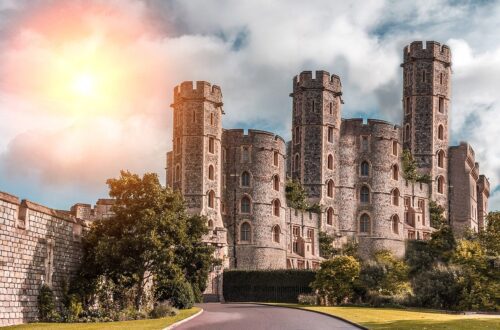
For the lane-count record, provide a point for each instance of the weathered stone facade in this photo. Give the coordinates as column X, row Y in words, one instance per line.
column 38, row 245
column 351, row 168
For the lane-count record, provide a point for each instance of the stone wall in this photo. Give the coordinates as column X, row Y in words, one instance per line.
column 38, row 245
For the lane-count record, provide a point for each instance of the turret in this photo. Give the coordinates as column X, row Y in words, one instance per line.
column 426, row 106
column 315, row 144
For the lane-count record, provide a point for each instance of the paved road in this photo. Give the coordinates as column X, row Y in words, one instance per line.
column 255, row 317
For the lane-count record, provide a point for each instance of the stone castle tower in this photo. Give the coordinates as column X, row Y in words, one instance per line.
column 426, row 106
column 195, row 164
column 316, row 118
column 351, row 168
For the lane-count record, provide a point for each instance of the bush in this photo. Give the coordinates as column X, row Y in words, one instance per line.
column 178, row 291
column 46, row 305
column 74, row 309
column 307, row 299
column 163, row 309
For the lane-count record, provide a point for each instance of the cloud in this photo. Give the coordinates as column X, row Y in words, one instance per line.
column 252, row 49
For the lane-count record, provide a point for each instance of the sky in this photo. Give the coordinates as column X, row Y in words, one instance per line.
column 86, row 86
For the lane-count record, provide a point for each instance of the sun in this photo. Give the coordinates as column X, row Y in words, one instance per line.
column 84, row 84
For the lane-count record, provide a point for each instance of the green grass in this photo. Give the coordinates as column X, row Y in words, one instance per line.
column 403, row 319
column 154, row 324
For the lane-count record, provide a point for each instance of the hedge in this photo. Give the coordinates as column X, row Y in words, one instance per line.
column 266, row 285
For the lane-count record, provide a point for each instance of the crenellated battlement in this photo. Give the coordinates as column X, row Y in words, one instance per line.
column 322, row 80
column 252, row 135
column 372, row 123
column 432, row 50
column 203, row 91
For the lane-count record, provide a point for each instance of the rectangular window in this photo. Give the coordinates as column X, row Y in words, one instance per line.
column 364, row 143
column 424, row 76
column 441, row 105
column 395, row 148
column 296, row 231
column 211, row 145
column 276, row 158
column 330, row 134
column 407, row 105
column 245, row 154
column 313, row 106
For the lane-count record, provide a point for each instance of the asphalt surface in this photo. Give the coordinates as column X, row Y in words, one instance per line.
column 218, row 316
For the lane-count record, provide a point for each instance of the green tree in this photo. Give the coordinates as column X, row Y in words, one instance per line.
column 296, row 195
column 149, row 239
column 490, row 236
column 335, row 279
column 326, row 249
column 436, row 213
column 409, row 166
column 442, row 244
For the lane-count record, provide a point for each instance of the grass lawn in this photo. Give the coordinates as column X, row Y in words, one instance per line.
column 125, row 325
column 403, row 319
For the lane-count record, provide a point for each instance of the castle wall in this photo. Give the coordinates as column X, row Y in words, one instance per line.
column 464, row 175
column 38, row 245
column 260, row 251
column 483, row 193
column 303, row 242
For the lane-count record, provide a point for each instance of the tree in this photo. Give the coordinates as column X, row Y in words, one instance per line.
column 409, row 166
column 326, row 249
column 296, row 195
column 442, row 244
column 490, row 236
column 149, row 239
column 436, row 213
column 335, row 279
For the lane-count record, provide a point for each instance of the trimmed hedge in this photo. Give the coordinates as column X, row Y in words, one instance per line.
column 266, row 285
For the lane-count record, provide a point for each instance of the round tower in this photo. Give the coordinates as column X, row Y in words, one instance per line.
column 315, row 139
column 426, row 106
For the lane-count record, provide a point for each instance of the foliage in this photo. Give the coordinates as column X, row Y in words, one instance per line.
column 436, row 213
column 418, row 256
column 150, row 239
column 326, row 249
column 46, row 305
column 490, row 236
column 74, row 309
column 307, row 299
column 438, row 287
column 178, row 291
column 442, row 243
column 163, row 309
column 385, row 274
column 282, row 285
column 296, row 195
column 335, row 279
column 410, row 167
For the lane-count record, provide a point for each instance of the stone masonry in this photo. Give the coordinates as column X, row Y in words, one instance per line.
column 352, row 168
column 38, row 245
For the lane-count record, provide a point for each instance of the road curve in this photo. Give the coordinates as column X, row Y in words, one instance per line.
column 252, row 317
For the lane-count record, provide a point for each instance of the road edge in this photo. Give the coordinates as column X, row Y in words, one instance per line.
column 176, row 324
column 318, row 312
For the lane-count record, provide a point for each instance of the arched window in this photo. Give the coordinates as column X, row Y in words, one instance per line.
column 210, row 224
column 245, row 179
column 395, row 224
column 364, row 223
column 276, row 207
column 329, row 188
column 395, row 197
column 440, row 132
column 297, row 135
column 211, row 199
column 441, row 105
column 245, row 154
column 210, row 172
column 329, row 216
column 177, row 174
column 440, row 185
column 407, row 132
column 296, row 162
column 211, row 145
column 276, row 234
column 245, row 205
column 395, row 148
column 441, row 158
column 365, row 169
column 364, row 194
column 395, row 172
column 276, row 183
column 330, row 134
column 330, row 162
column 276, row 158
column 245, row 232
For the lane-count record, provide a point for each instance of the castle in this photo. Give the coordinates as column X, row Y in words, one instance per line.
column 352, row 169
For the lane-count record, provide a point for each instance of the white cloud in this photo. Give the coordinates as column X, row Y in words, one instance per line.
column 251, row 49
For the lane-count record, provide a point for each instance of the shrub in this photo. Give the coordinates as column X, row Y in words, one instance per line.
column 335, row 280
column 163, row 309
column 178, row 291
column 308, row 299
column 46, row 305
column 74, row 309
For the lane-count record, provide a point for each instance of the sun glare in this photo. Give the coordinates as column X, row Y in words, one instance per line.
column 84, row 84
